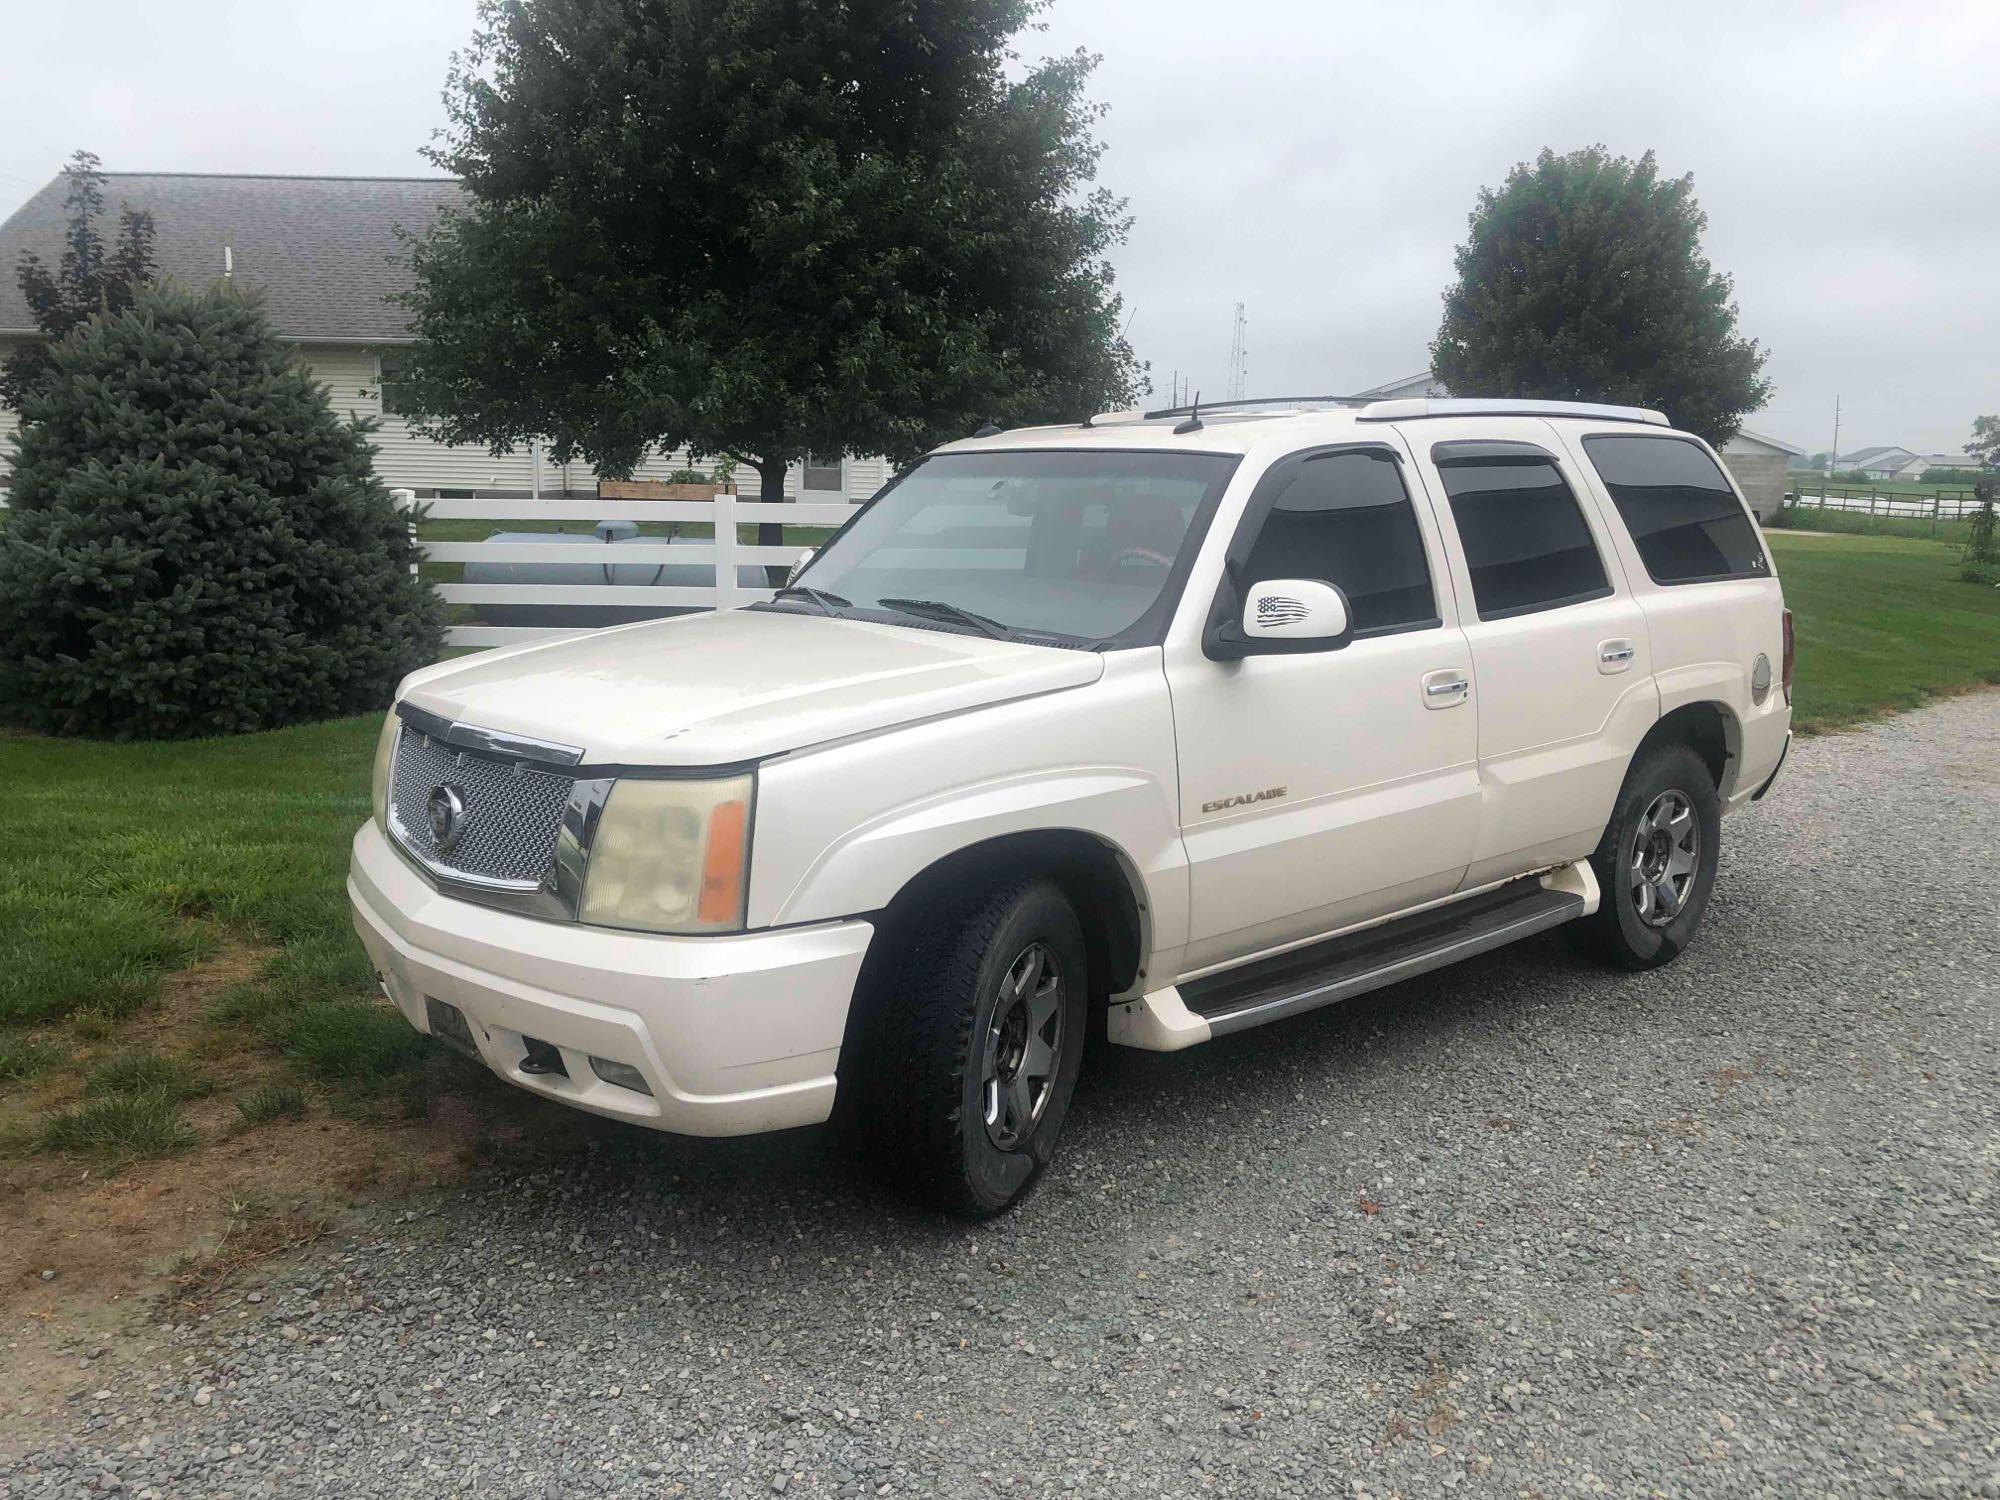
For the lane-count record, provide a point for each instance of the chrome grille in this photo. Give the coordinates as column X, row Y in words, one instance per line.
column 512, row 813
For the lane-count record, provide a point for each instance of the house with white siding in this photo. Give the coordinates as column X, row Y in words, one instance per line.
column 326, row 254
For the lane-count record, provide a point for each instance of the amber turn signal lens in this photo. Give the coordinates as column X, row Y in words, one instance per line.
column 722, row 871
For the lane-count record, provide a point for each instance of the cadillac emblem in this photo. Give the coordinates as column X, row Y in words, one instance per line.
column 447, row 816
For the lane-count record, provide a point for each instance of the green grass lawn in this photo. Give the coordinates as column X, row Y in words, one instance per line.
column 121, row 865
column 1883, row 624
column 1860, row 523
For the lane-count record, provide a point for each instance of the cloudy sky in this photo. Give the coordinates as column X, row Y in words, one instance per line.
column 1314, row 160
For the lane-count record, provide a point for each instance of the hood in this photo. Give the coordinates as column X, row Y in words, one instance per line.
column 716, row 689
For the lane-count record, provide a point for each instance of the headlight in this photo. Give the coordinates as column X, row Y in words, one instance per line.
column 671, row 856
column 385, row 765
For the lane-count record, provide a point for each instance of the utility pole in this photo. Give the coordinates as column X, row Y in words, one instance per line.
column 1239, row 357
column 1833, row 458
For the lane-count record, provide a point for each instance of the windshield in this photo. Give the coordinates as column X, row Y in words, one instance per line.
column 1079, row 544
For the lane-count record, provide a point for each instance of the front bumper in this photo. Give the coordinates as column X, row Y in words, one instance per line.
column 734, row 1035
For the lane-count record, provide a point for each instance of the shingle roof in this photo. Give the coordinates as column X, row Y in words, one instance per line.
column 1769, row 442
column 323, row 249
column 1862, row 456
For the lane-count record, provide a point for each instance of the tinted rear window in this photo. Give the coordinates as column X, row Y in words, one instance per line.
column 1685, row 520
column 1526, row 542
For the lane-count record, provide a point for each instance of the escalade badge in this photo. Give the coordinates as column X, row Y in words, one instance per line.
column 447, row 816
column 1243, row 799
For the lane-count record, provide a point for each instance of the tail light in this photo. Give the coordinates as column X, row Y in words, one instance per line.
column 1791, row 659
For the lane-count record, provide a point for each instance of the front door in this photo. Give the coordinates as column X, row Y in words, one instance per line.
column 1325, row 789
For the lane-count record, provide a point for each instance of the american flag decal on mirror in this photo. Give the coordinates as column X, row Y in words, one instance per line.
column 1280, row 609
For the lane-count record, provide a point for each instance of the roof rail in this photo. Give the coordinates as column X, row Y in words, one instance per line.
column 1281, row 403
column 1408, row 408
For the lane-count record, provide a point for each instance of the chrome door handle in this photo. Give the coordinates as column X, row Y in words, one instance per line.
column 1614, row 655
column 1445, row 688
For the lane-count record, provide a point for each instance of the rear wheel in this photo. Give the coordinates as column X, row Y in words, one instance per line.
column 1655, row 865
column 969, row 1053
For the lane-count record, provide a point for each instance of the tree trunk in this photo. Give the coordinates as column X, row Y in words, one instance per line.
column 771, row 491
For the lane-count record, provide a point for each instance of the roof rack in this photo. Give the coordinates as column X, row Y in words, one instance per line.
column 1408, row 408
column 1280, row 403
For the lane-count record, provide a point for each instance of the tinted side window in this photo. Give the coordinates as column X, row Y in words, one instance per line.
column 1525, row 540
column 1345, row 517
column 1685, row 520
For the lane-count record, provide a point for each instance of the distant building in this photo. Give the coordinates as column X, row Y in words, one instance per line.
column 1900, row 463
column 325, row 253
column 1757, row 463
column 1925, row 462
column 1423, row 383
column 1877, row 463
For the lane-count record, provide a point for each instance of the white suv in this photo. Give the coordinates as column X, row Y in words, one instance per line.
column 1175, row 723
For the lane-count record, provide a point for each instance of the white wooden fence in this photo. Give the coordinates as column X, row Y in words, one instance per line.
column 1937, row 505
column 722, row 555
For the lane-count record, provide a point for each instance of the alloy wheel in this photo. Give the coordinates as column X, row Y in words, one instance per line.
column 1666, row 853
column 1018, row 1064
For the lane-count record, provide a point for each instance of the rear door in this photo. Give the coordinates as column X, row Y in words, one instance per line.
column 1559, row 646
column 1324, row 789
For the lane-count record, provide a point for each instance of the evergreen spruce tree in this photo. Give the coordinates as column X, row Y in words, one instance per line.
column 198, row 544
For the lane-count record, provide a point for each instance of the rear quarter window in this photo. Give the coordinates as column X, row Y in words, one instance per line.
column 1684, row 518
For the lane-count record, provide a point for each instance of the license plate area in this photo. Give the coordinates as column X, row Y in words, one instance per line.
column 448, row 1025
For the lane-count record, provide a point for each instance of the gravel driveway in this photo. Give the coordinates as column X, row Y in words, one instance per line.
column 1523, row 1227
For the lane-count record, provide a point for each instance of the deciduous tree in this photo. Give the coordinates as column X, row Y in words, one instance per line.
column 764, row 229
column 1584, row 279
column 1984, row 444
column 90, row 277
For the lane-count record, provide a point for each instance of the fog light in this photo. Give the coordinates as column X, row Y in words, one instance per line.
column 448, row 1025
column 623, row 1074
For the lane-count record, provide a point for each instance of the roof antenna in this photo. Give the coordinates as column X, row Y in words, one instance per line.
column 989, row 429
column 1193, row 423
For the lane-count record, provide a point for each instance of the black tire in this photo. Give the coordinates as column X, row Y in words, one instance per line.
column 916, row 1090
column 1619, row 932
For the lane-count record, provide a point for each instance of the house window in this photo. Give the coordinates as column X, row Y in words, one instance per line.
column 825, row 474
column 388, row 370
column 1526, row 543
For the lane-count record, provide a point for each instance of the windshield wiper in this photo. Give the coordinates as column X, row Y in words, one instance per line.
column 821, row 597
column 937, row 609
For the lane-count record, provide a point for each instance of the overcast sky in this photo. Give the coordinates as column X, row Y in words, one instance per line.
column 1313, row 160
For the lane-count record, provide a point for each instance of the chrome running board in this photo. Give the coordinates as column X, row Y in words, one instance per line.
column 1352, row 964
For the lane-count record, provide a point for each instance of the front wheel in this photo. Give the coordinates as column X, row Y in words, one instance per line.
column 1655, row 865
column 971, row 1050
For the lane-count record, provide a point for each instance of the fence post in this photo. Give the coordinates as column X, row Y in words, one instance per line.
column 404, row 500
column 725, row 550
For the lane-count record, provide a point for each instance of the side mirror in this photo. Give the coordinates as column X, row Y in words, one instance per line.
column 798, row 567
column 1295, row 609
column 1284, row 616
